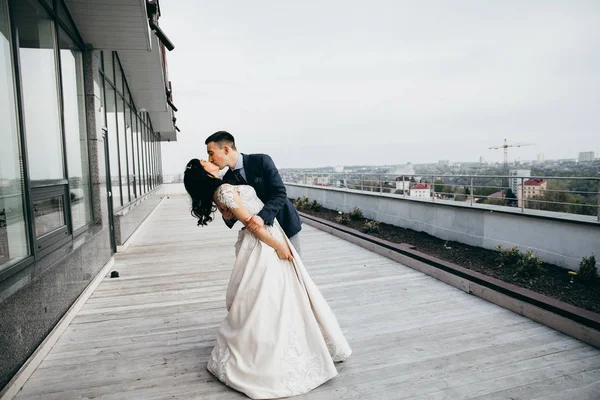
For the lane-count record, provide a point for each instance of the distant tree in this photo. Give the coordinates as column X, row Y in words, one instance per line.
column 511, row 199
column 442, row 189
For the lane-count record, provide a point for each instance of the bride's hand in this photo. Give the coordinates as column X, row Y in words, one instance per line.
column 283, row 252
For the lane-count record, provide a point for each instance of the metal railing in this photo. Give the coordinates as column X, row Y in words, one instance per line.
column 570, row 195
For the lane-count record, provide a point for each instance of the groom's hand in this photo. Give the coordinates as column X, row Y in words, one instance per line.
column 254, row 223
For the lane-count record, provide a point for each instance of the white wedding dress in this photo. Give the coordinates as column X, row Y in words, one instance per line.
column 280, row 338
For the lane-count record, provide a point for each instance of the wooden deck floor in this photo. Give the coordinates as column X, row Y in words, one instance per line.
column 148, row 334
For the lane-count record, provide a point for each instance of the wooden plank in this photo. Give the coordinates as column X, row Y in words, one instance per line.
column 149, row 333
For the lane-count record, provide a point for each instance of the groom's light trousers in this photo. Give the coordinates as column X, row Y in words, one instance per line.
column 295, row 240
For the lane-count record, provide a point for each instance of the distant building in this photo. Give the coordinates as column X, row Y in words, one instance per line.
column 481, row 160
column 421, row 190
column 515, row 178
column 341, row 183
column 403, row 184
column 307, row 180
column 540, row 157
column 339, row 168
column 323, row 180
column 531, row 188
column 497, row 196
column 586, row 156
column 443, row 163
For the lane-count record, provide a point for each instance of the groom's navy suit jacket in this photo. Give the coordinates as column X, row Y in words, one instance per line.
column 263, row 176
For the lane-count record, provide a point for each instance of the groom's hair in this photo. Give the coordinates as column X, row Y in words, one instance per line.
column 221, row 138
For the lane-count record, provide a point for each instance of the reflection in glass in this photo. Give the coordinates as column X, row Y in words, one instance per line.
column 144, row 155
column 13, row 234
column 137, row 137
column 49, row 215
column 108, row 65
column 122, row 148
column 151, row 146
column 113, row 149
column 130, row 151
column 75, row 131
column 147, row 151
column 118, row 75
column 40, row 92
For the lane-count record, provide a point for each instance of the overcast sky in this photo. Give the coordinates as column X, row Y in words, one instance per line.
column 316, row 83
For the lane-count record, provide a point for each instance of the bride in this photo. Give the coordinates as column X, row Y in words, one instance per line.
column 280, row 338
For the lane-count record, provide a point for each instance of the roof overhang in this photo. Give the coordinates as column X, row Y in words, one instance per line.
column 112, row 24
column 122, row 26
column 146, row 79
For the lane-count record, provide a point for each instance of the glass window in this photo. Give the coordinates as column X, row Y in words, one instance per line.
column 143, row 152
column 113, row 148
column 13, row 233
column 147, row 157
column 130, row 152
column 49, row 3
column 122, row 149
column 40, row 92
column 101, row 156
column 75, row 131
column 136, row 148
column 150, row 177
column 49, row 215
column 118, row 75
column 65, row 17
column 153, row 143
column 107, row 57
column 160, row 175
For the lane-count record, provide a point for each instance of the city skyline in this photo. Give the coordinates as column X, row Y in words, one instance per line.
column 317, row 84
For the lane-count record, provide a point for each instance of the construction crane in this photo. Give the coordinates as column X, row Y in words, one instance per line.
column 505, row 146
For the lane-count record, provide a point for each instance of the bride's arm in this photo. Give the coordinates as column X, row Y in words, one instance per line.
column 228, row 196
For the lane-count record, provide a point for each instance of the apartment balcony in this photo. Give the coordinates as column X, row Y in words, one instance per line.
column 148, row 333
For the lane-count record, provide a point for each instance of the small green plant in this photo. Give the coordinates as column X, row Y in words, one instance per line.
column 587, row 269
column 529, row 266
column 508, row 258
column 302, row 203
column 524, row 265
column 356, row 214
column 370, row 227
column 315, row 205
column 342, row 218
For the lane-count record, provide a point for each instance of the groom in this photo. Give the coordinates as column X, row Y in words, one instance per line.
column 258, row 171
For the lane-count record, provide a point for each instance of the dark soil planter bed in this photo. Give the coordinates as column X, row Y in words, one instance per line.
column 554, row 282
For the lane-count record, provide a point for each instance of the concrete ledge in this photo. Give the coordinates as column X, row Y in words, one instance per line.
column 574, row 321
column 529, row 213
column 562, row 242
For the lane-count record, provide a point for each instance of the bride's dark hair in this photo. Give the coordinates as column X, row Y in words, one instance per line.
column 201, row 187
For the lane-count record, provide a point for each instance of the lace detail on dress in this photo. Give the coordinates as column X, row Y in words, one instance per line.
column 337, row 354
column 338, row 351
column 217, row 364
column 226, row 195
column 249, row 199
column 306, row 370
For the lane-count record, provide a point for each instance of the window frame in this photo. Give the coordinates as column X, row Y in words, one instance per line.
column 33, row 191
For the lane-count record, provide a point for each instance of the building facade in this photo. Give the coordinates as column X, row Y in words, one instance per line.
column 531, row 190
column 403, row 184
column 516, row 178
column 421, row 190
column 85, row 102
column 586, row 156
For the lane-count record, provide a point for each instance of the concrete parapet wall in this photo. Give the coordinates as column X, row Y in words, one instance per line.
column 558, row 241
